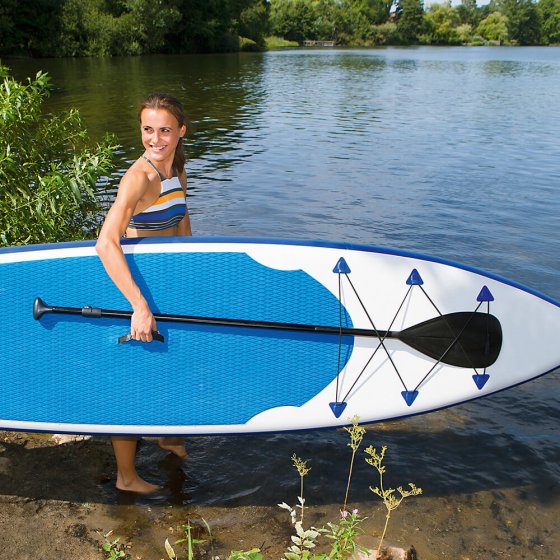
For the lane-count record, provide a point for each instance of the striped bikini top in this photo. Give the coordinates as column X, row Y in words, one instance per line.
column 167, row 211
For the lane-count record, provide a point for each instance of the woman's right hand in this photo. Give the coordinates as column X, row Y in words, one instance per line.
column 142, row 323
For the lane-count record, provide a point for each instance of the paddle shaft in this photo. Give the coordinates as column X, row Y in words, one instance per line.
column 464, row 339
column 40, row 308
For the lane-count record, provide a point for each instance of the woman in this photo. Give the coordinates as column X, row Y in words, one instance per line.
column 151, row 200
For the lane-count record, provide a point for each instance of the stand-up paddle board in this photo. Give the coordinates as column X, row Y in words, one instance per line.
column 257, row 335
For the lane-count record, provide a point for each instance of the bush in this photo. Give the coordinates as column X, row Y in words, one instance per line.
column 246, row 44
column 278, row 42
column 385, row 33
column 49, row 169
column 478, row 41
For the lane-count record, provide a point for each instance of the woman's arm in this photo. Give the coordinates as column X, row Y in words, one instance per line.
column 184, row 227
column 133, row 186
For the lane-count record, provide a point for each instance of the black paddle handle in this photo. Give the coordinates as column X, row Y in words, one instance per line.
column 40, row 308
column 156, row 335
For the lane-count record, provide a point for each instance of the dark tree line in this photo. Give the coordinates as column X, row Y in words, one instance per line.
column 129, row 27
column 134, row 27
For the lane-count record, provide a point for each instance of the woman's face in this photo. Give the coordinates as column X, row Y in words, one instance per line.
column 160, row 133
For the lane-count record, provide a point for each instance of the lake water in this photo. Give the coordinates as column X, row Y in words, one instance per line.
column 452, row 152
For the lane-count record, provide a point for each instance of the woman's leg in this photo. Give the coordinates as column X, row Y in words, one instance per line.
column 127, row 477
column 175, row 445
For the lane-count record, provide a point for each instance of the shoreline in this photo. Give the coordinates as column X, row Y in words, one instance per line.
column 60, row 498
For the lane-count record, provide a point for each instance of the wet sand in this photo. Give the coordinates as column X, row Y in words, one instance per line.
column 57, row 501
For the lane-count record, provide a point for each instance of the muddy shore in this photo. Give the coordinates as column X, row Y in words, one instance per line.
column 58, row 501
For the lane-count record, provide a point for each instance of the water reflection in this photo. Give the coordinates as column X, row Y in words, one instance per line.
column 504, row 67
column 394, row 143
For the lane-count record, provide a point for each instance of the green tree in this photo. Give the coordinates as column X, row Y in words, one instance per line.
column 328, row 20
column 523, row 21
column 443, row 20
column 215, row 25
column 30, row 28
column 549, row 11
column 494, row 27
column 48, row 168
column 410, row 20
column 115, row 27
column 464, row 32
column 385, row 33
column 358, row 19
column 253, row 21
column 468, row 12
column 88, row 29
column 7, row 25
column 152, row 20
column 293, row 19
column 354, row 25
column 374, row 12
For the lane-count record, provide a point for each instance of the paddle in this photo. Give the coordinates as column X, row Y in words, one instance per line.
column 464, row 339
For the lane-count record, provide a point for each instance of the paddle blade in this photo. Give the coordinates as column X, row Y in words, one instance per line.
column 463, row 339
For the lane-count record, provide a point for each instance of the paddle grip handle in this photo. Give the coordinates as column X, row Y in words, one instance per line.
column 156, row 335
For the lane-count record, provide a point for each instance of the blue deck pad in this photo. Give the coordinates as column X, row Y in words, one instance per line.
column 233, row 285
column 70, row 369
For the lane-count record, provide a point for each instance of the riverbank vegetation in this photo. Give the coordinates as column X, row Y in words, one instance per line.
column 49, row 169
column 69, row 28
column 338, row 540
column 347, row 537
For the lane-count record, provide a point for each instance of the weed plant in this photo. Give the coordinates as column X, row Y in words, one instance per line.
column 341, row 536
column 390, row 500
column 114, row 549
column 190, row 542
column 356, row 433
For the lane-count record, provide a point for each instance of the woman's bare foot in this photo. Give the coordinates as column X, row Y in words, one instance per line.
column 137, row 485
column 175, row 445
column 127, row 477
